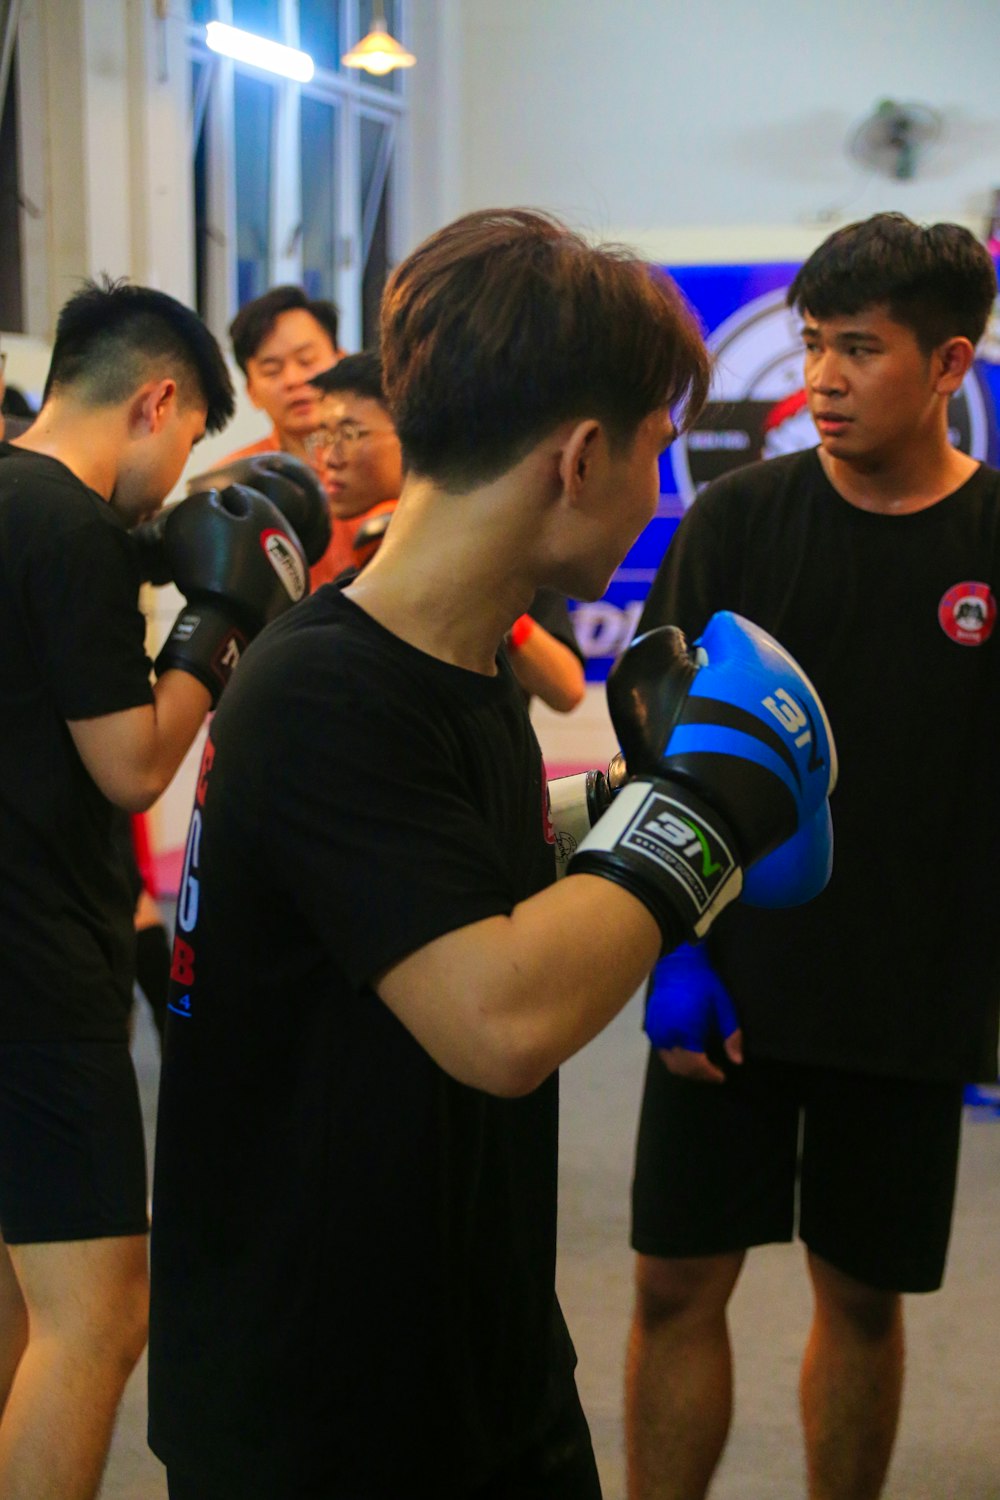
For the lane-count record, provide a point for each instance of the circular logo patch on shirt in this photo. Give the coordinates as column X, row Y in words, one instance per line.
column 967, row 613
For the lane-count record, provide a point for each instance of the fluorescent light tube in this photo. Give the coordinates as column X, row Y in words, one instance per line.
column 273, row 57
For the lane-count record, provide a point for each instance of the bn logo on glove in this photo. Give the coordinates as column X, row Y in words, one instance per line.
column 683, row 845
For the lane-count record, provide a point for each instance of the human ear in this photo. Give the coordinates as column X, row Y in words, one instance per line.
column 955, row 360
column 251, row 392
column 151, row 404
column 576, row 456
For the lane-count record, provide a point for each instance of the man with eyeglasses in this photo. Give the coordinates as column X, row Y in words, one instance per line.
column 358, row 456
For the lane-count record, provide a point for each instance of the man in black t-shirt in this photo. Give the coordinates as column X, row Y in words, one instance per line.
column 375, row 975
column 135, row 380
column 875, row 558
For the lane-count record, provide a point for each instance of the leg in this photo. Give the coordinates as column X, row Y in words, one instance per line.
column 678, row 1392
column 13, row 1325
column 851, row 1385
column 86, row 1302
column 879, row 1161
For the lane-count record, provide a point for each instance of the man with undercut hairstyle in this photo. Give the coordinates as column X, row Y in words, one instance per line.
column 376, row 975
column 135, row 381
column 875, row 558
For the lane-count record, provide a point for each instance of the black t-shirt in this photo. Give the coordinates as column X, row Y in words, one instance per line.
column 895, row 968
column 353, row 1254
column 550, row 609
column 72, row 648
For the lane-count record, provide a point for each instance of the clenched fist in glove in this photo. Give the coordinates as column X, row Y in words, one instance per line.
column 236, row 560
column 729, row 755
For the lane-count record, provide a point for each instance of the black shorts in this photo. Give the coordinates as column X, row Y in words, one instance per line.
column 560, row 1467
column 862, row 1168
column 72, row 1153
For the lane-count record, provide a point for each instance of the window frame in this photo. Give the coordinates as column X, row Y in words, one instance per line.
column 212, row 110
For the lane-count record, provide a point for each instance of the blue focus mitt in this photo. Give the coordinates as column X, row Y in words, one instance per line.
column 797, row 871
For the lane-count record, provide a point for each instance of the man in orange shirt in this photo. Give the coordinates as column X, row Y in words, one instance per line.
column 280, row 341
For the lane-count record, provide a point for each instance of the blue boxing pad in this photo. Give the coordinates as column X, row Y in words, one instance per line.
column 688, row 1005
column 797, row 871
column 750, row 700
column 729, row 752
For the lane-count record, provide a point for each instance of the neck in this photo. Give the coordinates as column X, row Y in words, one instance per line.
column 899, row 484
column 293, row 444
column 87, row 440
column 452, row 574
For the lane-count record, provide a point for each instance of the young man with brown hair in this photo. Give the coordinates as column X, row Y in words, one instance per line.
column 376, row 976
column 875, row 557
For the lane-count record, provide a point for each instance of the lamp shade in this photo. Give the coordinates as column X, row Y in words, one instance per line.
column 378, row 52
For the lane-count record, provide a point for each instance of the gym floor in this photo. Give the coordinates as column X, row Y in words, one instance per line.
column 947, row 1448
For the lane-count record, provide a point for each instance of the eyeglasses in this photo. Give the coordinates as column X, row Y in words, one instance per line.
column 348, row 434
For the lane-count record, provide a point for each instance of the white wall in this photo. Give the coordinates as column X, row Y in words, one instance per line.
column 105, row 149
column 702, row 131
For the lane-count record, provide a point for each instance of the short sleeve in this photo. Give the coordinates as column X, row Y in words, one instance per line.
column 381, row 840
column 82, row 613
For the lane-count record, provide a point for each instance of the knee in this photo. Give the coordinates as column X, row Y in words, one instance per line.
column 695, row 1289
column 870, row 1312
column 116, row 1325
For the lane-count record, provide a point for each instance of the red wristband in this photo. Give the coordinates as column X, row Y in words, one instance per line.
column 519, row 632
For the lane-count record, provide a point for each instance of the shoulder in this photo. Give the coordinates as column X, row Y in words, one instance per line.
column 765, row 480
column 269, row 444
column 45, row 493
column 986, row 482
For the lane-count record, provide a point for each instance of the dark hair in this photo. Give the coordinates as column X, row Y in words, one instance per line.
column 938, row 281
column 16, row 404
column 112, row 335
column 506, row 323
column 361, row 374
column 254, row 321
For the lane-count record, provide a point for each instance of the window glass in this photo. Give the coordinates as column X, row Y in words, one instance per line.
column 10, row 211
column 201, row 224
column 254, row 105
column 262, row 17
column 319, row 200
column 375, row 144
column 372, row 136
column 376, row 273
column 203, row 11
column 319, row 32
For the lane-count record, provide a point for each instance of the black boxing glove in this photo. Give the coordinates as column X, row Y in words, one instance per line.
column 239, row 564
column 290, row 484
column 287, row 482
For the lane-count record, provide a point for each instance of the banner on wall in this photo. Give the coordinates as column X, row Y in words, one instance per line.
column 756, row 410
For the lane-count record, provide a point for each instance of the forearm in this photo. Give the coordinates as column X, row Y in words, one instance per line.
column 547, row 668
column 133, row 755
column 501, row 1003
column 182, row 704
